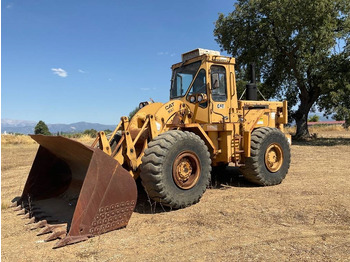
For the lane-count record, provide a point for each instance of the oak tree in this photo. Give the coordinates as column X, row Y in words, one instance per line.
column 299, row 47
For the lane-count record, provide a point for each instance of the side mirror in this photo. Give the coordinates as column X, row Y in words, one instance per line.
column 215, row 80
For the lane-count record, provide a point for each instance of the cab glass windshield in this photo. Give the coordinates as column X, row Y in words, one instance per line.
column 182, row 79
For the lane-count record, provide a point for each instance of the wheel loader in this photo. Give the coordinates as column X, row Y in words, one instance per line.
column 75, row 191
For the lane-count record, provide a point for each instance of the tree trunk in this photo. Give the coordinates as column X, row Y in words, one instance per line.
column 301, row 116
column 302, row 128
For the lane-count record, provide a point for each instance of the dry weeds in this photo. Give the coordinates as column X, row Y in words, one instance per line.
column 321, row 129
column 16, row 139
column 27, row 140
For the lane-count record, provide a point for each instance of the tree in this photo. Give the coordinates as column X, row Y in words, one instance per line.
column 41, row 129
column 90, row 132
column 133, row 112
column 313, row 118
column 295, row 44
column 107, row 131
column 337, row 98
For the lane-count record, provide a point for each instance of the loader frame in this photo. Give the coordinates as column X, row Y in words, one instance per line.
column 227, row 141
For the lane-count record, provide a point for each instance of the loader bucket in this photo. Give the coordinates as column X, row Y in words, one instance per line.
column 76, row 189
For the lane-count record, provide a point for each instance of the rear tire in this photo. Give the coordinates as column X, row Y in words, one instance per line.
column 269, row 160
column 115, row 139
column 175, row 169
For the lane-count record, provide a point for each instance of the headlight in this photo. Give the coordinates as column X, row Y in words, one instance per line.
column 143, row 104
column 193, row 99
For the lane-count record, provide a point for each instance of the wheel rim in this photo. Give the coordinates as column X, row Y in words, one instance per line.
column 186, row 170
column 274, row 157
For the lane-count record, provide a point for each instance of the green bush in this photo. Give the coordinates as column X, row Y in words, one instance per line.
column 42, row 129
column 314, row 118
column 90, row 132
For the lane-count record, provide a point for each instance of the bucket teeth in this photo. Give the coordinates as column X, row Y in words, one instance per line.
column 26, row 216
column 58, row 234
column 46, row 229
column 51, row 228
column 17, row 208
column 14, row 204
column 21, row 212
column 40, row 224
column 68, row 240
column 31, row 221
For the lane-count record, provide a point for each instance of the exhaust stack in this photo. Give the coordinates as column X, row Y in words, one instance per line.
column 251, row 91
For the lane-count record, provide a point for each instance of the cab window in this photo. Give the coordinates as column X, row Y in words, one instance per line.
column 218, row 83
column 182, row 78
column 199, row 86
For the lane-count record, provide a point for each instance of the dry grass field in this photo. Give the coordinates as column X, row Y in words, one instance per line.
column 306, row 218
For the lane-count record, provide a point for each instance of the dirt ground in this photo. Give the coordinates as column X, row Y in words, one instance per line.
column 306, row 218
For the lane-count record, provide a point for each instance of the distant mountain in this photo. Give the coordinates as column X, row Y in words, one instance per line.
column 16, row 123
column 78, row 127
column 27, row 127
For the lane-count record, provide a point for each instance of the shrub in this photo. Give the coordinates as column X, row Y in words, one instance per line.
column 42, row 129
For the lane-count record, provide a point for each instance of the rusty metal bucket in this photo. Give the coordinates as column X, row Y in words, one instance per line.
column 76, row 189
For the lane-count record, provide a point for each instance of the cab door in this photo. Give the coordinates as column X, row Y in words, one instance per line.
column 199, row 86
column 219, row 104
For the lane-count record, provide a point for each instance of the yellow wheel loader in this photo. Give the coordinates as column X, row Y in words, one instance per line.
column 75, row 191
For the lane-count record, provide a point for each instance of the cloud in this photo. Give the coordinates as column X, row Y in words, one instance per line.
column 145, row 88
column 60, row 72
column 166, row 53
column 81, row 71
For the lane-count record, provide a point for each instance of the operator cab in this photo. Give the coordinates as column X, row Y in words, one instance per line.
column 203, row 81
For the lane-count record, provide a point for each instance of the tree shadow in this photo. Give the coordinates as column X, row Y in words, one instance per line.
column 145, row 205
column 227, row 177
column 323, row 141
column 224, row 178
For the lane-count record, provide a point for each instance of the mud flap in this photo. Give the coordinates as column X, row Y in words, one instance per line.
column 76, row 189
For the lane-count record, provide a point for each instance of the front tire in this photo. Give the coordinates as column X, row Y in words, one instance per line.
column 269, row 160
column 175, row 169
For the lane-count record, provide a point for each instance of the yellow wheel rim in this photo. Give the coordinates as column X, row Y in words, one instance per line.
column 186, row 170
column 274, row 157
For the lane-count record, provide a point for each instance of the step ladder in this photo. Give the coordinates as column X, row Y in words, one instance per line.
column 237, row 151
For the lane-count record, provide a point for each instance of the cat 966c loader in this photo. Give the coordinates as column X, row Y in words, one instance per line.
column 75, row 191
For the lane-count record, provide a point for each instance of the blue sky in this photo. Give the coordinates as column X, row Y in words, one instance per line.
column 69, row 61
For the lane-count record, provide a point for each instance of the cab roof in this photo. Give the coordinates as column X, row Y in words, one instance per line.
column 203, row 54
